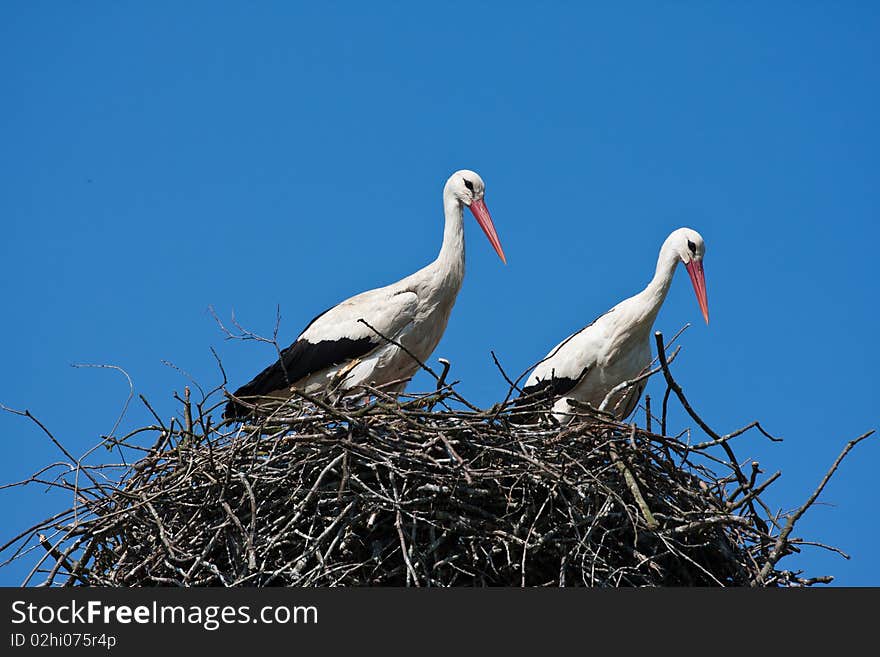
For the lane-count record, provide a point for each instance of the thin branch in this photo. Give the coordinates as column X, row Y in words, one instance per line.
column 782, row 540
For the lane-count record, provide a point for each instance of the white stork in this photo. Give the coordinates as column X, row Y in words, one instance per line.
column 354, row 343
column 616, row 346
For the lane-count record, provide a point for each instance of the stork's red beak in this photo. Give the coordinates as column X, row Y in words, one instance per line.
column 698, row 278
column 481, row 212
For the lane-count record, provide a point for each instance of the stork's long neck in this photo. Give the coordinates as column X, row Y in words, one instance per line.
column 652, row 297
column 450, row 262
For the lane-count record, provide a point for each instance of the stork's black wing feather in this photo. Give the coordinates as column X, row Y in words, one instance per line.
column 548, row 389
column 297, row 361
column 544, row 392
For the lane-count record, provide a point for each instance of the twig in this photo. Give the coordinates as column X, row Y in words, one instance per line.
column 442, row 380
column 782, row 540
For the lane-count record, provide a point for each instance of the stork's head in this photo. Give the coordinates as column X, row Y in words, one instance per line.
column 468, row 188
column 689, row 246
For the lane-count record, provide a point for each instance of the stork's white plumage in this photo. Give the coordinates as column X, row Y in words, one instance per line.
column 616, row 347
column 353, row 343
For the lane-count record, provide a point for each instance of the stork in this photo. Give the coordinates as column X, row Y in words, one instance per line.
column 615, row 347
column 378, row 337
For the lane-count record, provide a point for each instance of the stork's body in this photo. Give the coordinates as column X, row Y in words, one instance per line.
column 356, row 342
column 616, row 347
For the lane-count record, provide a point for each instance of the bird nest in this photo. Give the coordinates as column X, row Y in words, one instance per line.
column 424, row 490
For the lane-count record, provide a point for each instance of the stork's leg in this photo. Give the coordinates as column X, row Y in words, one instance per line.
column 562, row 411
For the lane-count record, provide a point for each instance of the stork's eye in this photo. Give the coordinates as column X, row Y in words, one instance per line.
column 692, row 247
column 469, row 184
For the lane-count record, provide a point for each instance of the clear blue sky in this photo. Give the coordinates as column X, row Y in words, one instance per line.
column 156, row 158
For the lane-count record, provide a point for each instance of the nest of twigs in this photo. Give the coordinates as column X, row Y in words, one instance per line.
column 423, row 490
